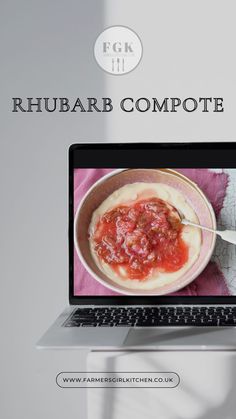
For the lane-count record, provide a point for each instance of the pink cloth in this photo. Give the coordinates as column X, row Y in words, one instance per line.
column 84, row 283
column 210, row 282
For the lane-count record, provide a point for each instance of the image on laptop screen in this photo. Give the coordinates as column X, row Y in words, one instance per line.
column 136, row 232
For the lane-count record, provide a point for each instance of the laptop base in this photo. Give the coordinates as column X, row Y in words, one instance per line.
column 128, row 338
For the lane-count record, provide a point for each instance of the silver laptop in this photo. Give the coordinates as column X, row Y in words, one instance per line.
column 151, row 248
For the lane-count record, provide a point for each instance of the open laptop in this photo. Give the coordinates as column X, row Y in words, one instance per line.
column 140, row 276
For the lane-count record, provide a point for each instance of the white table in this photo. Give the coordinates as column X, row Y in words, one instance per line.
column 206, row 390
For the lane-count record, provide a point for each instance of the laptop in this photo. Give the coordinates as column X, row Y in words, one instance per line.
column 147, row 269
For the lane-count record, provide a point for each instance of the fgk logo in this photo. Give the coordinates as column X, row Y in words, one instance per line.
column 118, row 50
column 117, row 47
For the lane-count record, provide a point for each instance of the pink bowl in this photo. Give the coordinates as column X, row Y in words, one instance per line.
column 115, row 180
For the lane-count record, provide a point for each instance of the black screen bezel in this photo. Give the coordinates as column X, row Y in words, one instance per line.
column 111, row 155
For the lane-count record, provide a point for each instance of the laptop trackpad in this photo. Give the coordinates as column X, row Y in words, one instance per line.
column 180, row 338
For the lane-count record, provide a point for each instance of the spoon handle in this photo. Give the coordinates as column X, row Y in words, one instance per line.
column 227, row 235
column 190, row 223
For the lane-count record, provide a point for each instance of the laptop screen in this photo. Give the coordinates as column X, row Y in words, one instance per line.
column 145, row 230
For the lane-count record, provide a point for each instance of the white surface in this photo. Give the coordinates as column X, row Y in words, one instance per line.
column 206, row 389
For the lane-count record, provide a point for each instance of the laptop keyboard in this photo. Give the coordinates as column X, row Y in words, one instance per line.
column 152, row 316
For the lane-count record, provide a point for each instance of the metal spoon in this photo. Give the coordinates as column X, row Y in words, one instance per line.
column 227, row 235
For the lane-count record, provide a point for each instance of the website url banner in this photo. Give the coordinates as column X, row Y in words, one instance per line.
column 117, row 379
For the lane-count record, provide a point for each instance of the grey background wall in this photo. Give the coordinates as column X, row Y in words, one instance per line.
column 47, row 50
